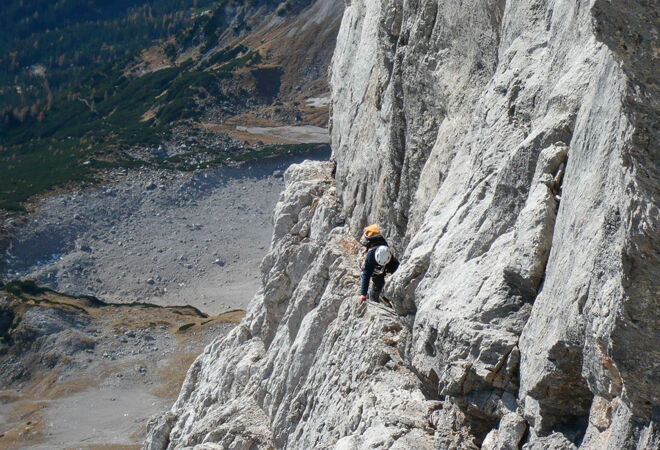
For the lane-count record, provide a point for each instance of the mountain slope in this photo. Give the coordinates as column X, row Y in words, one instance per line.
column 509, row 149
column 77, row 371
column 178, row 102
column 48, row 46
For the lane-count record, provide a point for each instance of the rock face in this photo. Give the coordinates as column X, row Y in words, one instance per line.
column 510, row 150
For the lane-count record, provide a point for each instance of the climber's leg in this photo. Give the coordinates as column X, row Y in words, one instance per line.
column 377, row 283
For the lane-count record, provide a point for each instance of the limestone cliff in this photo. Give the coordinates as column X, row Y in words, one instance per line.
column 510, row 149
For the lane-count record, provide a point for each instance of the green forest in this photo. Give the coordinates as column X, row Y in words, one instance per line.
column 68, row 107
column 47, row 46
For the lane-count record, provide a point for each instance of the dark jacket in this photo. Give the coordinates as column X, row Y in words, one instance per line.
column 371, row 267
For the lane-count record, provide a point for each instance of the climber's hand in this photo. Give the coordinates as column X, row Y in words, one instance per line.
column 362, row 299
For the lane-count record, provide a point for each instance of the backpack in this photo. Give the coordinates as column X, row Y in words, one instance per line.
column 385, row 259
column 391, row 266
column 383, row 255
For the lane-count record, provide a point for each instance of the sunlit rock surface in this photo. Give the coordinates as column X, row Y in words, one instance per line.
column 509, row 148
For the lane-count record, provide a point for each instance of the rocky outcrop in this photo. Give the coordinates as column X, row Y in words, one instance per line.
column 304, row 355
column 510, row 148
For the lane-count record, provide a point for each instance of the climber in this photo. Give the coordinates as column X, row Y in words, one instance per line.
column 378, row 262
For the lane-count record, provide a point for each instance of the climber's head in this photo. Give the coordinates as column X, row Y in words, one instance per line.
column 370, row 232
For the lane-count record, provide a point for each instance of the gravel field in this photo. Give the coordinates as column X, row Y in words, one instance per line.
column 86, row 376
column 295, row 135
column 80, row 374
column 162, row 237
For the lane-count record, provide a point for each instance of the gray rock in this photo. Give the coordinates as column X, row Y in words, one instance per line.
column 508, row 435
column 555, row 441
column 160, row 427
column 505, row 147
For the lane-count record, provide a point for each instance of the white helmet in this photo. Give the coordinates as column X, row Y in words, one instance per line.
column 383, row 255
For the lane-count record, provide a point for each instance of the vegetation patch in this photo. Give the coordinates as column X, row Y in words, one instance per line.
column 29, row 288
column 248, row 59
column 95, row 126
column 225, row 55
column 186, row 326
column 48, row 47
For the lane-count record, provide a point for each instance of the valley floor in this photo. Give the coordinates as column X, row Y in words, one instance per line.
column 92, row 378
column 161, row 237
column 83, row 375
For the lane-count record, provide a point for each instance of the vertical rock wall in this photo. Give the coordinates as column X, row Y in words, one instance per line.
column 510, row 150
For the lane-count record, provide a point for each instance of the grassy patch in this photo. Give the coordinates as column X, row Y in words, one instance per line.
column 248, row 59
column 225, row 55
column 23, row 288
column 30, row 290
